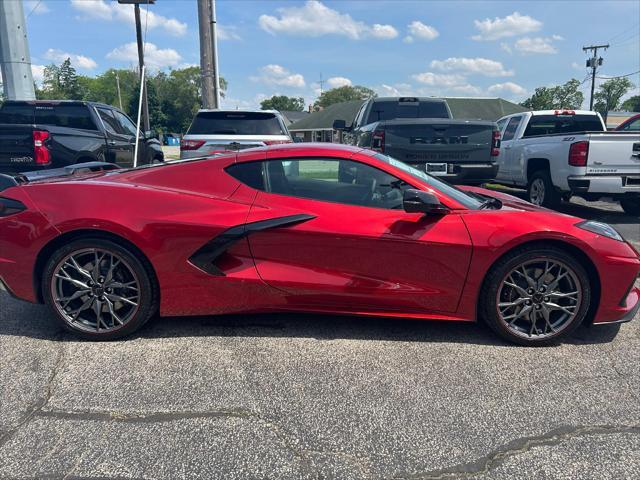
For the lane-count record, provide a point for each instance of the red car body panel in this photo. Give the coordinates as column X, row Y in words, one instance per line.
column 341, row 258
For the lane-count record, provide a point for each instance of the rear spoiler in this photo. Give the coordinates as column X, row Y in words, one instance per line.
column 15, row 179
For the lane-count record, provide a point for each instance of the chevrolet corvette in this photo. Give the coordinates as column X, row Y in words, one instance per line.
column 309, row 228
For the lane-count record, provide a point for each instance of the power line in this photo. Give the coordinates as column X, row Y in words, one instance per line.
column 619, row 76
column 632, row 27
column 34, row 8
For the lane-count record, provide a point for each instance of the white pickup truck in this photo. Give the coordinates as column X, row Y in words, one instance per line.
column 559, row 153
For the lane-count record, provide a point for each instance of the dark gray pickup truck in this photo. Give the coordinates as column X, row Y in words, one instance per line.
column 421, row 132
column 47, row 134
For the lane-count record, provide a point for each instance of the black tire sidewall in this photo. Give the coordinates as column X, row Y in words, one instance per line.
column 551, row 196
column 148, row 296
column 488, row 308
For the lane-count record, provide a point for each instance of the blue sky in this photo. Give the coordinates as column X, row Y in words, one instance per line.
column 468, row 48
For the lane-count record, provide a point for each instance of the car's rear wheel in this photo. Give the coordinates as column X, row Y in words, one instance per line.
column 536, row 296
column 98, row 289
column 541, row 191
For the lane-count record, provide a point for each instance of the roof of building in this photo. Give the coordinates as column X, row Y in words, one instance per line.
column 461, row 108
column 292, row 116
column 323, row 120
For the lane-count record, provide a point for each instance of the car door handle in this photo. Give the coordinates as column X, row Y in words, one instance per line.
column 507, row 147
column 111, row 142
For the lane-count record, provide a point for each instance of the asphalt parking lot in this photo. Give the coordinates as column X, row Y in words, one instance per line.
column 301, row 396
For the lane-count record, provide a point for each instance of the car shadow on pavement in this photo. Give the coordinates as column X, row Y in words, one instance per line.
column 22, row 319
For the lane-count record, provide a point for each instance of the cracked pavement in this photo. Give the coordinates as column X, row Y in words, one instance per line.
column 304, row 396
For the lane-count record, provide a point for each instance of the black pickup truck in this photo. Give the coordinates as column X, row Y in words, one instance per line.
column 45, row 134
column 421, row 132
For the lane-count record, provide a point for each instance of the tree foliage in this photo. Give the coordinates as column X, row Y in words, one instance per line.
column 283, row 103
column 174, row 96
column 344, row 94
column 609, row 94
column 631, row 104
column 553, row 98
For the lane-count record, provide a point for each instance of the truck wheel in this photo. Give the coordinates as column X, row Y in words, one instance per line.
column 541, row 191
column 631, row 206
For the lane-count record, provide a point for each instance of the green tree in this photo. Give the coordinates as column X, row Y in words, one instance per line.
column 283, row 103
column 609, row 94
column 344, row 94
column 631, row 104
column 552, row 98
column 60, row 82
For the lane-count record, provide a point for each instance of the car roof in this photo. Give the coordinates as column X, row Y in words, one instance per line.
column 301, row 149
column 206, row 110
column 58, row 102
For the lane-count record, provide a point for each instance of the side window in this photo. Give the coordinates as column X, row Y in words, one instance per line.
column 335, row 180
column 109, row 121
column 16, row 113
column 250, row 173
column 358, row 120
column 501, row 124
column 71, row 116
column 511, row 129
column 127, row 125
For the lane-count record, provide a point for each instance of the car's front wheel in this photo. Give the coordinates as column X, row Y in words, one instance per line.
column 535, row 296
column 98, row 289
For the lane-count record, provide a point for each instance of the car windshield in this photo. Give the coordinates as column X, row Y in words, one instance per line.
column 236, row 123
column 468, row 200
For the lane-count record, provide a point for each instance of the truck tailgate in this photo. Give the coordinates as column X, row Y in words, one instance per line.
column 16, row 147
column 439, row 140
column 614, row 153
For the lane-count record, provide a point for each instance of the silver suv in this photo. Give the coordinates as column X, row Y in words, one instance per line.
column 218, row 131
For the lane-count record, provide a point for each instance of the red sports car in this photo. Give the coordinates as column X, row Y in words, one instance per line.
column 313, row 228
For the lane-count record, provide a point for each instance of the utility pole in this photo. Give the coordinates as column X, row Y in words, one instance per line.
column 208, row 54
column 594, row 62
column 321, row 82
column 15, row 61
column 136, row 10
column 118, row 87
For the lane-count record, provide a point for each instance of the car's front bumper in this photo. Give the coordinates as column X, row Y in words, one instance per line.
column 629, row 310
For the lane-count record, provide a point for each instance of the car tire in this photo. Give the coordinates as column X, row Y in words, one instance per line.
column 631, row 206
column 544, row 307
column 541, row 192
column 104, row 303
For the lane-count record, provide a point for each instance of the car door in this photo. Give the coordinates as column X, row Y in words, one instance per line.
column 119, row 146
column 130, row 130
column 508, row 152
column 335, row 237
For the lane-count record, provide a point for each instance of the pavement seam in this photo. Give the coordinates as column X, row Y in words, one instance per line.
column 42, row 402
column 518, row 446
column 285, row 437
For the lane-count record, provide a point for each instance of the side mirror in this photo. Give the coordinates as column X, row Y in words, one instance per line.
column 149, row 134
column 339, row 125
column 417, row 201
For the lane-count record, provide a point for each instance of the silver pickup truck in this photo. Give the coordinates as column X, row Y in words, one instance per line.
column 559, row 153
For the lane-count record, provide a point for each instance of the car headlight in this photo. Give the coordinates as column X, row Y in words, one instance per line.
column 600, row 228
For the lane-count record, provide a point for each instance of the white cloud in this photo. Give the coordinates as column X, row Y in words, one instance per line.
column 228, row 33
column 278, row 75
column 99, row 9
column 507, row 87
column 481, row 66
column 79, row 61
column 421, row 31
column 38, row 73
column 36, row 8
column 335, row 82
column 395, row 90
column 315, row 19
column 466, row 89
column 536, row 45
column 154, row 57
column 577, row 66
column 509, row 26
column 506, row 47
column 439, row 80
